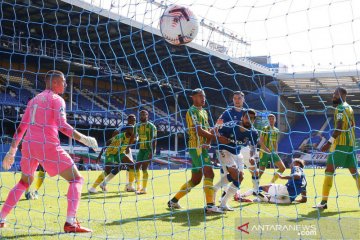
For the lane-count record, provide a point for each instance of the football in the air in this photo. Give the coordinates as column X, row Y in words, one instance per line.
column 178, row 25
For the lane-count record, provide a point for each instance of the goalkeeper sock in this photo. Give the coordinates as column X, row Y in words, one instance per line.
column 184, row 190
column 131, row 177
column 13, row 198
column 328, row 181
column 73, row 196
column 40, row 180
column 145, row 178
column 229, row 194
column 209, row 191
column 99, row 180
column 137, row 178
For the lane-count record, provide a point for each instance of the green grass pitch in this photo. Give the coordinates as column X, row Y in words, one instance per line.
column 121, row 215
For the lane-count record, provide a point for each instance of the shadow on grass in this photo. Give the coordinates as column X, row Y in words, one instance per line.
column 102, row 195
column 191, row 217
column 31, row 235
column 317, row 214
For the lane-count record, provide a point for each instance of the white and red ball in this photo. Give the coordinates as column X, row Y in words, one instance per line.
column 178, row 25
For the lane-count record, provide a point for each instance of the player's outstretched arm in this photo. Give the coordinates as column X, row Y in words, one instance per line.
column 67, row 129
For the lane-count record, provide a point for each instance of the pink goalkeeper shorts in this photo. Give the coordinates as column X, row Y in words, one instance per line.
column 53, row 158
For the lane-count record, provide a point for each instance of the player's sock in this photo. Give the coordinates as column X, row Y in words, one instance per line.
column 71, row 220
column 145, row 179
column 357, row 181
column 328, row 181
column 108, row 178
column 99, row 180
column 209, row 191
column 184, row 190
column 137, row 178
column 275, row 177
column 247, row 193
column 223, row 182
column 229, row 194
column 13, row 198
column 127, row 177
column 40, row 180
column 255, row 182
column 73, row 196
column 131, row 177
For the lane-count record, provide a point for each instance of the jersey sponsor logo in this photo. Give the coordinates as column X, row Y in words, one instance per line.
column 339, row 116
column 239, row 142
column 230, row 124
column 194, row 118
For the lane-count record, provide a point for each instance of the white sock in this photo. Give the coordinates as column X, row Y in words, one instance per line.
column 229, row 194
column 255, row 183
column 247, row 193
column 70, row 220
column 222, row 183
column 108, row 179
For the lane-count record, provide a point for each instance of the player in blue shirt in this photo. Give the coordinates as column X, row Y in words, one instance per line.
column 231, row 115
column 279, row 193
column 242, row 139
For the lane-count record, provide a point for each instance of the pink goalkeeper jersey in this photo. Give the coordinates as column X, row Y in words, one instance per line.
column 44, row 117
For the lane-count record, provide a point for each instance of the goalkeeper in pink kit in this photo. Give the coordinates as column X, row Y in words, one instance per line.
column 43, row 118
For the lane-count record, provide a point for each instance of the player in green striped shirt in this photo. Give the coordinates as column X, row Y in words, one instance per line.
column 269, row 147
column 200, row 137
column 341, row 145
column 146, row 133
column 117, row 155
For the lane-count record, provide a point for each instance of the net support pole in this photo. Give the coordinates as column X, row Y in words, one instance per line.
column 71, row 150
column 176, row 122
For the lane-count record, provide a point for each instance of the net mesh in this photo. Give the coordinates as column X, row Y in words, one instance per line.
column 286, row 57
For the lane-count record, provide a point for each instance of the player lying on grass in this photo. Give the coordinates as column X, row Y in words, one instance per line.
column 43, row 118
column 240, row 150
column 116, row 155
column 278, row 193
column 200, row 138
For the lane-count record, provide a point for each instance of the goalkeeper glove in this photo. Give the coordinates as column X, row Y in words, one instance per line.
column 9, row 158
column 89, row 141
